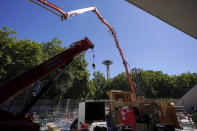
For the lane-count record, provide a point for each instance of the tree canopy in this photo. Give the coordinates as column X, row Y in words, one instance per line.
column 153, row 84
column 18, row 56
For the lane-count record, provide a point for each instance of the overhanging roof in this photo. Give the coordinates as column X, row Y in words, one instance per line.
column 182, row 14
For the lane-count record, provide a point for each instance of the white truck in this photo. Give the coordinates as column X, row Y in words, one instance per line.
column 92, row 112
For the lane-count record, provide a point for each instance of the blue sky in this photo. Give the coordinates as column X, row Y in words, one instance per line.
column 146, row 41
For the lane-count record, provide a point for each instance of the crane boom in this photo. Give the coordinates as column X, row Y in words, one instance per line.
column 79, row 11
column 118, row 46
column 23, row 81
column 66, row 15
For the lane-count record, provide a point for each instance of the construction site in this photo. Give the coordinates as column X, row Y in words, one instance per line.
column 45, row 86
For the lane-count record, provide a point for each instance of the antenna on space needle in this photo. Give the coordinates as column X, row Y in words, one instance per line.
column 107, row 63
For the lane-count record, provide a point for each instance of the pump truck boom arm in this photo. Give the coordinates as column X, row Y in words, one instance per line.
column 66, row 15
column 23, row 81
column 118, row 46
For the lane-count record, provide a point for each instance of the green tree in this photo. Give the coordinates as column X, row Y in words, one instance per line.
column 155, row 83
column 99, row 83
column 92, row 90
column 162, row 85
column 80, row 85
column 120, row 82
column 18, row 56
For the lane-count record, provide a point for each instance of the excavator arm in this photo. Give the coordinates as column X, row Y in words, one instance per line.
column 67, row 15
column 23, row 81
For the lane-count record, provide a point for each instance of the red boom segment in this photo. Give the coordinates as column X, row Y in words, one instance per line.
column 65, row 15
column 16, row 85
column 118, row 46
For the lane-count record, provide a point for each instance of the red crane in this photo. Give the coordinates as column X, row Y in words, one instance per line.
column 23, row 81
column 66, row 15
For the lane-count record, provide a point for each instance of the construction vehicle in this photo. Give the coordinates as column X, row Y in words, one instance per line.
column 148, row 114
column 8, row 90
column 91, row 111
column 66, row 15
